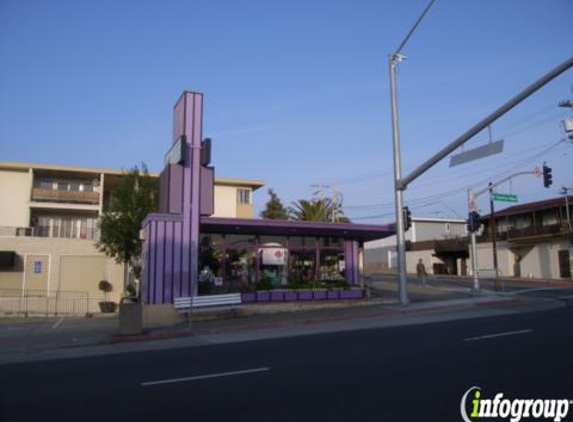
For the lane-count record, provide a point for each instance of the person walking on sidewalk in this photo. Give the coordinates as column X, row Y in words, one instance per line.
column 421, row 272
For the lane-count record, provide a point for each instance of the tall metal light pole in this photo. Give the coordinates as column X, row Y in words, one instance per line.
column 394, row 60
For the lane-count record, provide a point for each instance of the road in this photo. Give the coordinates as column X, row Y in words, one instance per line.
column 408, row 373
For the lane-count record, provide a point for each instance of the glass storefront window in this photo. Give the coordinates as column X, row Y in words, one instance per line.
column 213, row 239
column 302, row 266
column 302, row 242
column 210, row 266
column 240, row 239
column 273, row 260
column 331, row 242
column 331, row 266
column 240, row 269
column 273, row 240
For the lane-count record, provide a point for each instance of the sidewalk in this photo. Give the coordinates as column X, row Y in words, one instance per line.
column 23, row 340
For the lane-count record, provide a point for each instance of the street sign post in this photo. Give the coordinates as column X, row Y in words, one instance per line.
column 504, row 197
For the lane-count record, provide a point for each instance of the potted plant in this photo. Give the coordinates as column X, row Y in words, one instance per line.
column 106, row 306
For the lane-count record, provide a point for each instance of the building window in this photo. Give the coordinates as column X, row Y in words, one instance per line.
column 243, row 196
column 66, row 227
column 447, row 227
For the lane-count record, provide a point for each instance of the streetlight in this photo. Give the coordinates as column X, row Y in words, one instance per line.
column 394, row 60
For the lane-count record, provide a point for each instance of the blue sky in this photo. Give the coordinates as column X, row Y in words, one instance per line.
column 296, row 92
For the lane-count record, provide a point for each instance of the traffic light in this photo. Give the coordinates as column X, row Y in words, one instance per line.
column 407, row 218
column 547, row 176
column 473, row 222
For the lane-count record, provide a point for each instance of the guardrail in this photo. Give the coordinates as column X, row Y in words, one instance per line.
column 40, row 302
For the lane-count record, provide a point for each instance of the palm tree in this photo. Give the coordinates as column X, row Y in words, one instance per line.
column 316, row 210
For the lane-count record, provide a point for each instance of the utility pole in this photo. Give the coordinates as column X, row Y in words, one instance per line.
column 472, row 206
column 565, row 191
column 493, row 233
column 394, row 60
column 334, row 200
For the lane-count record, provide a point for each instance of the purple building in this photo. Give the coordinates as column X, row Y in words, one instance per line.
column 186, row 252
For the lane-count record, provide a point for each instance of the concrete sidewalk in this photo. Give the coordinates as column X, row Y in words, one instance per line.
column 23, row 340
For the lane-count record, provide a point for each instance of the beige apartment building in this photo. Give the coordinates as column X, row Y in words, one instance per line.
column 48, row 227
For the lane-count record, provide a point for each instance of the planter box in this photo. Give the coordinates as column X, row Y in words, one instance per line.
column 332, row 294
column 291, row 296
column 107, row 307
column 248, row 297
column 305, row 295
column 319, row 295
column 277, row 296
column 263, row 296
column 351, row 294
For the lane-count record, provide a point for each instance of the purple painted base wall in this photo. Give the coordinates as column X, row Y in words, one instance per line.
column 163, row 278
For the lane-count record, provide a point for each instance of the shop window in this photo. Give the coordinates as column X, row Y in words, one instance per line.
column 331, row 266
column 240, row 239
column 273, row 241
column 210, row 267
column 302, row 242
column 302, row 266
column 213, row 239
column 331, row 242
column 240, row 270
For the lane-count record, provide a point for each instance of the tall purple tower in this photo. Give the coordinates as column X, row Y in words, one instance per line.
column 170, row 248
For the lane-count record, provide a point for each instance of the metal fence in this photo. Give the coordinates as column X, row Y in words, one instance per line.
column 40, row 302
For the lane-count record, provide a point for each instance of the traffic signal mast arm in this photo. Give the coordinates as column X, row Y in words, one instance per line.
column 495, row 184
column 473, row 218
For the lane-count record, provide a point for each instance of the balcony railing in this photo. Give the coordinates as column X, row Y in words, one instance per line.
column 536, row 231
column 53, row 195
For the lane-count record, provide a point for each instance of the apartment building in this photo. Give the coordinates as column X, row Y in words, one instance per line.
column 48, row 225
column 534, row 240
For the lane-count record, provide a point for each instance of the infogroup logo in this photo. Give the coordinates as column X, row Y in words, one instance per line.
column 513, row 409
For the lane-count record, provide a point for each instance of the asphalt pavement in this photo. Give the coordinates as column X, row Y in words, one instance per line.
column 412, row 372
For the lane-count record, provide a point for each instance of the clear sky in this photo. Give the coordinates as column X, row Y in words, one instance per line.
column 296, row 92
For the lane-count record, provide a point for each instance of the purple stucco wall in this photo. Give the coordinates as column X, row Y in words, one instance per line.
column 351, row 261
column 171, row 244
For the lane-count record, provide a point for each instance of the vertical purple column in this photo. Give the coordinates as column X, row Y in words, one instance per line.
column 187, row 121
column 351, row 261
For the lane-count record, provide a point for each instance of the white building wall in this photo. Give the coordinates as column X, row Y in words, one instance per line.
column 225, row 201
column 15, row 190
column 537, row 261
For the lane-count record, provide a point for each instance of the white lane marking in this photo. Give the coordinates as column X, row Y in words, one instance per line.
column 202, row 377
column 57, row 323
column 509, row 333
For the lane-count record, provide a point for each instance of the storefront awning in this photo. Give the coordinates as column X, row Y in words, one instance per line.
column 359, row 232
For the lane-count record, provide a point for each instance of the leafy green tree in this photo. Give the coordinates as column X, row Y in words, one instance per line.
column 317, row 210
column 119, row 225
column 274, row 209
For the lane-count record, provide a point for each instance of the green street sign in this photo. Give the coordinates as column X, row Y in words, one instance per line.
column 505, row 197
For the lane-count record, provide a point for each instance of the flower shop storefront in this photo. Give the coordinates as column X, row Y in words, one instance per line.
column 186, row 252
column 274, row 260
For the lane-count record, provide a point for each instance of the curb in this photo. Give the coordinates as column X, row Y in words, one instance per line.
column 393, row 312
